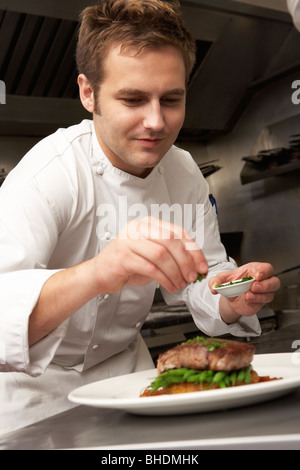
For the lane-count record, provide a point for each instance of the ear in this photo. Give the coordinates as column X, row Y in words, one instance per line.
column 86, row 93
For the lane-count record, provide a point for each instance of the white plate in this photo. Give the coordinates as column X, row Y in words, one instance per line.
column 123, row 392
column 233, row 290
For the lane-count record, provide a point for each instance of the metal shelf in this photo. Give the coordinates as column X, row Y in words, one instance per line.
column 250, row 173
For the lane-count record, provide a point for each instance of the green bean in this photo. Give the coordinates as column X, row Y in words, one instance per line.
column 227, row 380
column 204, row 376
column 248, row 375
column 222, row 384
column 188, row 374
column 183, row 374
column 176, row 372
column 241, row 375
column 219, row 377
column 233, row 376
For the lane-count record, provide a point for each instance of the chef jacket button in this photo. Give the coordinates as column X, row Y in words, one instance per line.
column 100, row 170
column 160, row 169
column 95, row 347
column 107, row 235
column 103, row 296
column 138, row 324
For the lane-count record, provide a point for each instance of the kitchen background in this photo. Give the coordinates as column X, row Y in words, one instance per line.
column 239, row 104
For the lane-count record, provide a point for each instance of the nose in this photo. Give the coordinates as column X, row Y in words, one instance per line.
column 154, row 117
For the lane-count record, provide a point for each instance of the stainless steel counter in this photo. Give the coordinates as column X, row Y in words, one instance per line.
column 270, row 425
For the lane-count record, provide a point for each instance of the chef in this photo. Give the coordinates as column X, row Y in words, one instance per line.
column 86, row 228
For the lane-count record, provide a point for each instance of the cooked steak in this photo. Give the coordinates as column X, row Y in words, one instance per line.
column 207, row 354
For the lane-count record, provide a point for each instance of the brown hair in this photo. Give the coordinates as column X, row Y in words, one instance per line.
column 133, row 23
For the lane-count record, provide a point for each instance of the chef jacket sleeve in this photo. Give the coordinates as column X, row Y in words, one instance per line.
column 203, row 305
column 294, row 9
column 28, row 233
column 205, row 310
column 19, row 292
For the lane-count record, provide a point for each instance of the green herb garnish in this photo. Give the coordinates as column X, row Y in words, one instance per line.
column 200, row 277
column 222, row 378
column 210, row 343
column 249, row 278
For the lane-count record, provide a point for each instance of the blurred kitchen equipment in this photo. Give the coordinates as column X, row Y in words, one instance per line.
column 288, row 297
column 272, row 162
column 208, row 168
column 294, row 268
column 291, row 297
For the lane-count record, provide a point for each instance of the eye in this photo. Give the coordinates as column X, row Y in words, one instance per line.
column 134, row 101
column 172, row 101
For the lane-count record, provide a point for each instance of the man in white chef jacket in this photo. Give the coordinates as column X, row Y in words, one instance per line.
column 81, row 248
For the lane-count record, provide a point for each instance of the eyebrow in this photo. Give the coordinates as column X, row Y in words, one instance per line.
column 134, row 91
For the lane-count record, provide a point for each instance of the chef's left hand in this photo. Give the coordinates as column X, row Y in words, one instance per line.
column 261, row 292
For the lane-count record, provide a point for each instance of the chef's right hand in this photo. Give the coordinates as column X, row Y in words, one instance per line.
column 149, row 250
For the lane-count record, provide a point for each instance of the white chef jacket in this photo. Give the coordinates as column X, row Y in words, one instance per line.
column 294, row 9
column 52, row 216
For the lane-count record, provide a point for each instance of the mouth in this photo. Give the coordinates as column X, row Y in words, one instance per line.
column 150, row 142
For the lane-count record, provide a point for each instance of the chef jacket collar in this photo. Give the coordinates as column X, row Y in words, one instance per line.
column 107, row 165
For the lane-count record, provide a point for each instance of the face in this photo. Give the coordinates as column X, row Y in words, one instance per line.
column 141, row 107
